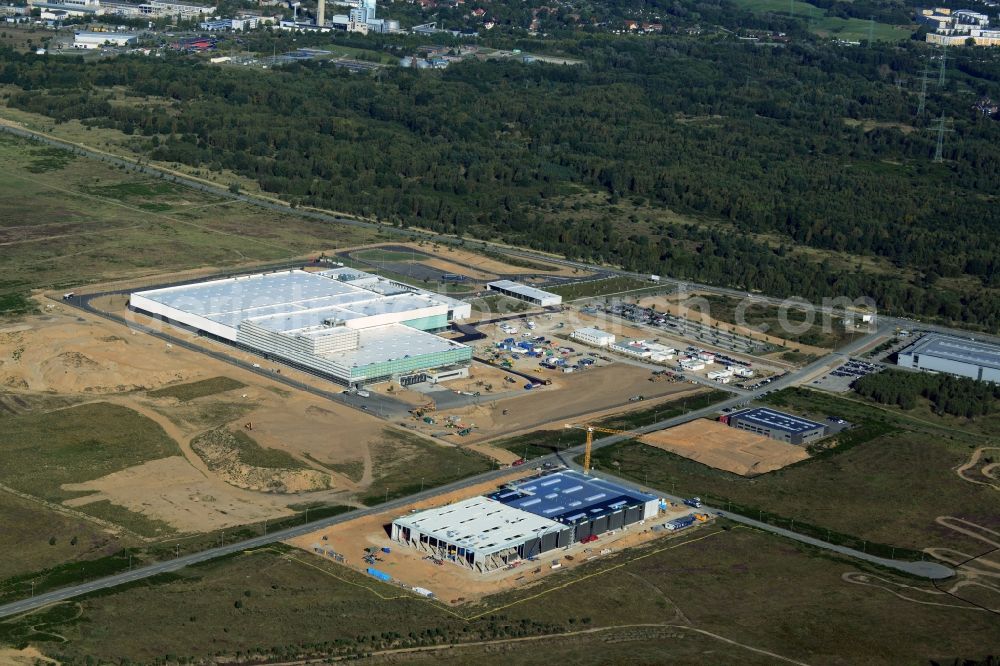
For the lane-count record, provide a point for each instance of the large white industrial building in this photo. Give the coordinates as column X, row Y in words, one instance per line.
column 525, row 519
column 954, row 356
column 96, row 40
column 343, row 324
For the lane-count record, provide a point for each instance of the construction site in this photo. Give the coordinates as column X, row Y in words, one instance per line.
column 496, row 536
column 263, row 428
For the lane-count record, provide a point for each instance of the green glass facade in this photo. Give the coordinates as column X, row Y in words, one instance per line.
column 412, row 364
column 431, row 323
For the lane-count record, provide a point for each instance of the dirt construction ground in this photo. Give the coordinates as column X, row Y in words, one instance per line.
column 717, row 445
column 492, row 265
column 570, row 398
column 99, row 360
column 451, row 583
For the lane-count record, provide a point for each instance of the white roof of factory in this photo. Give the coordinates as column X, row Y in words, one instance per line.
column 480, row 524
column 391, row 342
column 957, row 349
column 523, row 289
column 293, row 299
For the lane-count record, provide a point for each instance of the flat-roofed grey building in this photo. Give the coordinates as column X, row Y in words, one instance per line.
column 776, row 425
column 954, row 356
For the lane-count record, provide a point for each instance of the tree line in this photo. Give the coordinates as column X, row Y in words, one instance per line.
column 769, row 150
column 957, row 396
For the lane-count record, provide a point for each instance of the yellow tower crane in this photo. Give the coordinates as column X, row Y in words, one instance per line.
column 591, row 429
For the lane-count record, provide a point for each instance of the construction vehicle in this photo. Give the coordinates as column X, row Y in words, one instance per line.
column 418, row 412
column 591, row 429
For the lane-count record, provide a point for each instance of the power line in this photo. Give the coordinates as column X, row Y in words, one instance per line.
column 939, row 151
column 923, row 92
column 871, row 31
column 944, row 61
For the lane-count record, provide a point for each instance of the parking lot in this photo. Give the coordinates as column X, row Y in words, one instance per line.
column 843, row 376
column 682, row 327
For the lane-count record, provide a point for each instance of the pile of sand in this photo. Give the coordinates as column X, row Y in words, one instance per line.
column 717, row 445
column 218, row 448
column 86, row 359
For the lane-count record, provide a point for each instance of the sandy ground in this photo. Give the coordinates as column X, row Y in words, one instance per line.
column 449, row 582
column 308, row 427
column 173, row 491
column 671, row 306
column 717, row 445
column 108, row 359
column 488, row 264
column 57, row 352
column 29, row 656
column 573, row 398
column 451, row 267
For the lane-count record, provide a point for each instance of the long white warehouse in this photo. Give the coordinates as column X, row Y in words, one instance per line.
column 525, row 293
column 346, row 325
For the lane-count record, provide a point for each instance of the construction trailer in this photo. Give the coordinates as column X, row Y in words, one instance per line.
column 593, row 336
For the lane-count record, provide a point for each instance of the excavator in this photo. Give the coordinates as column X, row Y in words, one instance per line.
column 418, row 412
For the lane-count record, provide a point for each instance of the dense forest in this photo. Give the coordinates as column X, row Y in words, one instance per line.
column 958, row 396
column 767, row 149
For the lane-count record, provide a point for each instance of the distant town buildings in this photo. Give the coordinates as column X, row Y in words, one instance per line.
column 958, row 27
column 63, row 9
column 361, row 18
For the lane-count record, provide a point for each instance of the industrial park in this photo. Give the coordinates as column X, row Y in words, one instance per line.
column 498, row 333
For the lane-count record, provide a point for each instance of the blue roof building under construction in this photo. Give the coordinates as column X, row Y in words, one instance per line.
column 524, row 519
column 587, row 504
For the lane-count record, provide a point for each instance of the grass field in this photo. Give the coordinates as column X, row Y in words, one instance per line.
column 854, row 489
column 394, row 256
column 711, row 596
column 594, row 288
column 403, row 463
column 40, row 452
column 89, row 222
column 200, row 389
column 851, row 29
column 544, row 442
column 666, row 410
column 28, row 529
column 826, row 332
